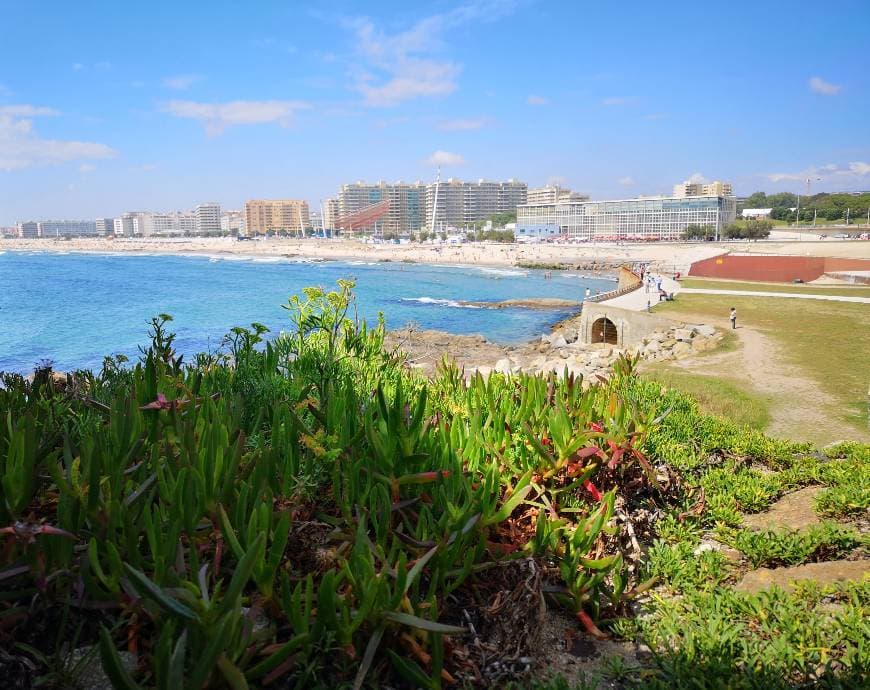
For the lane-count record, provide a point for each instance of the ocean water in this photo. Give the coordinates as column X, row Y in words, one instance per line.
column 74, row 308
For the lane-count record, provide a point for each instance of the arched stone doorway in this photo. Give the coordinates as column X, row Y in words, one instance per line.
column 604, row 331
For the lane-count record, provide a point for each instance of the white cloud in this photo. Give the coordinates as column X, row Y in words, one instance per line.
column 819, row 85
column 218, row 116
column 446, row 158
column 5, row 91
column 181, row 82
column 27, row 111
column 616, row 100
column 537, row 100
column 855, row 169
column 21, row 147
column 463, row 125
column 77, row 66
column 626, row 181
column 397, row 67
column 697, row 178
column 86, row 168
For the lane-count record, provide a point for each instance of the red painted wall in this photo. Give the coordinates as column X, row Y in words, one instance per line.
column 774, row 269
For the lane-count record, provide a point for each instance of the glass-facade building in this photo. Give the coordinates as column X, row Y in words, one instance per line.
column 646, row 219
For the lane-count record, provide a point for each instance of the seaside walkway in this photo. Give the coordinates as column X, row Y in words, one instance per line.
column 636, row 300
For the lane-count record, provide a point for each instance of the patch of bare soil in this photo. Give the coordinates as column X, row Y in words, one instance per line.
column 576, row 656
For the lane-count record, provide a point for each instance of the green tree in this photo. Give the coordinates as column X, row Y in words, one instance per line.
column 757, row 229
column 697, row 232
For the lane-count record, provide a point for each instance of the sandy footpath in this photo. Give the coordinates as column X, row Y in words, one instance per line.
column 664, row 256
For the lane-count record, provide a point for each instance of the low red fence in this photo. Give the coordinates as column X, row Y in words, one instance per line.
column 774, row 269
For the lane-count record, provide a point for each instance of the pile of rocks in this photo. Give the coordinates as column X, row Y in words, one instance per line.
column 561, row 351
column 679, row 341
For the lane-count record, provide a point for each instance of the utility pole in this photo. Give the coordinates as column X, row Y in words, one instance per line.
column 847, row 217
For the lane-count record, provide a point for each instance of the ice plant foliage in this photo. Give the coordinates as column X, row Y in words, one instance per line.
column 306, row 511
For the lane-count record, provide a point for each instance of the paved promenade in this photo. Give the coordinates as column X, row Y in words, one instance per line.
column 636, row 300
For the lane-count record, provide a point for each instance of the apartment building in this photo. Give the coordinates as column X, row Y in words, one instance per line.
column 642, row 219
column 330, row 213
column 105, row 226
column 207, row 218
column 264, row 216
column 715, row 188
column 130, row 224
column 67, row 228
column 411, row 204
column 552, row 194
column 28, row 230
column 407, row 212
column 463, row 203
column 233, row 222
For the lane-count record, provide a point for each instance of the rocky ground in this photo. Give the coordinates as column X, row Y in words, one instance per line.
column 558, row 351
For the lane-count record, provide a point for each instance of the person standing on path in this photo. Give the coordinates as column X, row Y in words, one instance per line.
column 733, row 317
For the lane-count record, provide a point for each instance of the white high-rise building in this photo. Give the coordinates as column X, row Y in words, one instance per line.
column 207, row 218
column 105, row 226
column 552, row 194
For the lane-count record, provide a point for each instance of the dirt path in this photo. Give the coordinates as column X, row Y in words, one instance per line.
column 799, row 408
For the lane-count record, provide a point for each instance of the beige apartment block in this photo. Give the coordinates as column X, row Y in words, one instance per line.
column 276, row 215
column 715, row 188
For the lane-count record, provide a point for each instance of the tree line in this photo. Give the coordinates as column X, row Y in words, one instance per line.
column 750, row 230
column 823, row 205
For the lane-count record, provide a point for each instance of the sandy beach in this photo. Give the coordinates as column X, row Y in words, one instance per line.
column 663, row 256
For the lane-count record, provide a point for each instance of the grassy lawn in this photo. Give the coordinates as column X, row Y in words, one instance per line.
column 716, row 396
column 827, row 340
column 797, row 288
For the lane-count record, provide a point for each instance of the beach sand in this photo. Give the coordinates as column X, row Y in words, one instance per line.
column 665, row 257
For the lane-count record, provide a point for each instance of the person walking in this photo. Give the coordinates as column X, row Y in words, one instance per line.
column 588, row 293
column 733, row 317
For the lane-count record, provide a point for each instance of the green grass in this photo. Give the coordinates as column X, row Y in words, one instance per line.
column 800, row 289
column 826, row 340
column 717, row 396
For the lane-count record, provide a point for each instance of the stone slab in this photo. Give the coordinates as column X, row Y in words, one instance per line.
column 823, row 573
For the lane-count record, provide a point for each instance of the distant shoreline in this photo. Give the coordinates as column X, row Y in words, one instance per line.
column 593, row 258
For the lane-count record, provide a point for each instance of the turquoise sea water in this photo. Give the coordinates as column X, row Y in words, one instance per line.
column 74, row 308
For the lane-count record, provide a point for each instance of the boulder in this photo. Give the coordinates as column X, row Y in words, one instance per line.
column 484, row 371
column 558, row 341
column 658, row 335
column 504, row 366
column 547, row 338
column 652, row 346
column 682, row 349
column 668, row 343
column 702, row 344
column 704, row 330
column 570, row 335
column 683, row 334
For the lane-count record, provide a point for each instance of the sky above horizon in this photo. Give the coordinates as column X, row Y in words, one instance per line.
column 111, row 107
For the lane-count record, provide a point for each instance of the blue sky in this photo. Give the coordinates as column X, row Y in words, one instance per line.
column 107, row 107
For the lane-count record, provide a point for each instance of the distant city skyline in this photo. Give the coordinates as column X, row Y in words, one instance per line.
column 292, row 100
